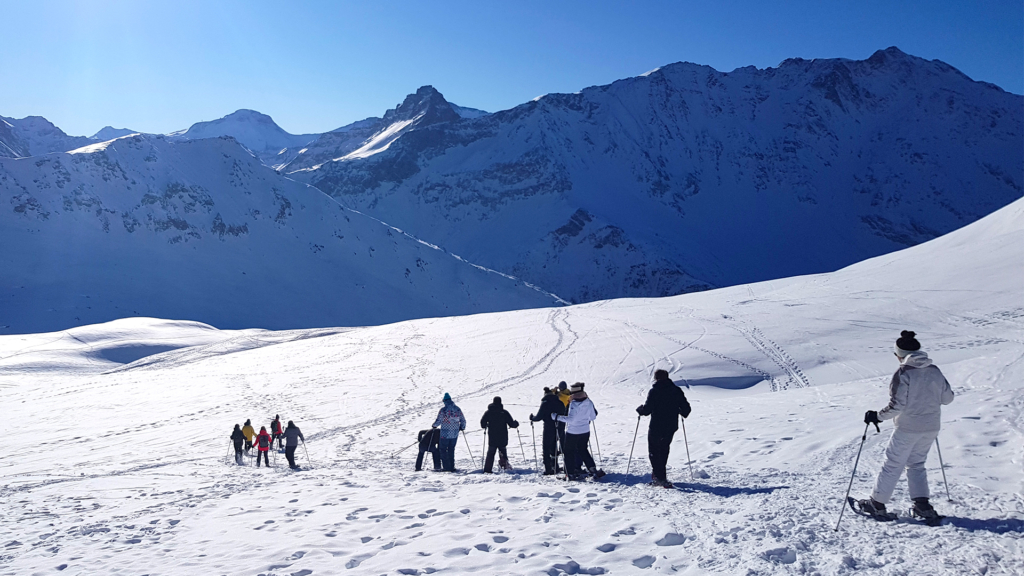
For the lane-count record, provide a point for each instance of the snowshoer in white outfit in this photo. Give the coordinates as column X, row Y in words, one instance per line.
column 916, row 395
column 577, row 434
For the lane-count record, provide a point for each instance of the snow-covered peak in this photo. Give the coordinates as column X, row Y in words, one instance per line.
column 426, row 106
column 34, row 135
column 256, row 131
column 109, row 133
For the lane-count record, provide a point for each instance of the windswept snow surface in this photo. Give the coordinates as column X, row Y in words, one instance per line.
column 123, row 469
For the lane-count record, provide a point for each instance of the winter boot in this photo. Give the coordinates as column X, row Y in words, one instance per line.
column 874, row 508
column 597, row 474
column 923, row 509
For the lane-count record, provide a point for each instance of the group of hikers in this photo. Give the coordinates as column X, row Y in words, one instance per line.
column 245, row 437
column 917, row 391
column 566, row 413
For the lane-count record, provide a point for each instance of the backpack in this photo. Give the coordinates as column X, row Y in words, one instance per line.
column 264, row 443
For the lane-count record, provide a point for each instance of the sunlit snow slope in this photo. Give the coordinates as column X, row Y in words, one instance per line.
column 115, row 467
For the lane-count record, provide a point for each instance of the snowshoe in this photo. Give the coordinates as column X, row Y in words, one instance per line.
column 871, row 509
column 598, row 474
column 658, row 482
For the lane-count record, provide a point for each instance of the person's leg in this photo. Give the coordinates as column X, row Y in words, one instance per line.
column 550, row 449
column 447, row 454
column 437, row 458
column 896, row 455
column 584, row 452
column 917, row 476
column 419, row 459
column 289, row 453
column 503, row 461
column 570, row 447
column 658, row 449
column 489, row 463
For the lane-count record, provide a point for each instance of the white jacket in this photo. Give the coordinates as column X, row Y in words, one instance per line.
column 916, row 395
column 581, row 414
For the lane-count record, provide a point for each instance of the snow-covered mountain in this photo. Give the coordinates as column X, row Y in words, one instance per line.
column 126, row 465
column 109, row 133
column 686, row 177
column 371, row 136
column 201, row 230
column 33, row 136
column 257, row 132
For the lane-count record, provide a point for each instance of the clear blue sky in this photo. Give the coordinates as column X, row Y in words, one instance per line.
column 314, row 66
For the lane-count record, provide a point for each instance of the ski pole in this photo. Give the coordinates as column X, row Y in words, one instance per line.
column 630, row 461
column 403, row 449
column 855, row 462
column 943, row 468
column 687, row 444
column 521, row 444
column 534, row 435
column 308, row 463
column 597, row 442
column 483, row 450
column 471, row 457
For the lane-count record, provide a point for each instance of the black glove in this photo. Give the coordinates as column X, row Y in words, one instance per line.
column 640, row 410
column 871, row 417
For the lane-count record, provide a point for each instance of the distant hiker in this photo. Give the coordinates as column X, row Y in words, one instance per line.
column 451, row 421
column 263, row 442
column 275, row 429
column 292, row 435
column 237, row 438
column 917, row 392
column 497, row 421
column 577, row 434
column 249, row 434
column 665, row 404
column 429, row 442
column 549, row 404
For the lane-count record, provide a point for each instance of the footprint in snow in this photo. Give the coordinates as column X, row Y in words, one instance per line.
column 366, row 539
column 456, row 552
column 644, row 561
column 500, row 539
column 483, row 547
column 606, row 547
column 671, row 539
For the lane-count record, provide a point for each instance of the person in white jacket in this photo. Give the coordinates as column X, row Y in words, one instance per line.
column 917, row 392
column 577, row 434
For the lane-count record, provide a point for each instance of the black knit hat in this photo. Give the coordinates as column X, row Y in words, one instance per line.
column 906, row 343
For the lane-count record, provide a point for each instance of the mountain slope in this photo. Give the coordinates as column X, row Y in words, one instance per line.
column 779, row 376
column 687, row 177
column 257, row 132
column 200, row 230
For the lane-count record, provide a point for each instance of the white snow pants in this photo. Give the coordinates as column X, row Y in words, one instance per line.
column 906, row 450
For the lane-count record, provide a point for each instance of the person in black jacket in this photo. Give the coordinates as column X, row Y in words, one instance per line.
column 429, row 440
column 497, row 421
column 665, row 404
column 549, row 404
column 237, row 438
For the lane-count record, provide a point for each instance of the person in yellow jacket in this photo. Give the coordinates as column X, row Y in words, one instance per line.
column 564, row 394
column 249, row 434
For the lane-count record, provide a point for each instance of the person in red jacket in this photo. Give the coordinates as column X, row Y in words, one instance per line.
column 263, row 442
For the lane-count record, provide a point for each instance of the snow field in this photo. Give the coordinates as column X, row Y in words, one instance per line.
column 117, row 468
